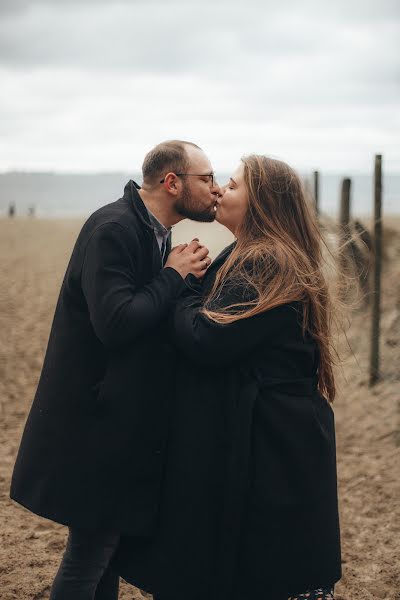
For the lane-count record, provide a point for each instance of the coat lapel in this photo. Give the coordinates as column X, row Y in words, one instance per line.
column 168, row 249
column 215, row 265
column 132, row 196
column 222, row 256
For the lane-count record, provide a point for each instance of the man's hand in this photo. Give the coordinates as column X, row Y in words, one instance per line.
column 189, row 258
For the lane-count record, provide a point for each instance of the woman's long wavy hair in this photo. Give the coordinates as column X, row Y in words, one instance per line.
column 278, row 258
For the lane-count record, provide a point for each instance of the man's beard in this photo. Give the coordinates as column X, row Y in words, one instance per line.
column 192, row 209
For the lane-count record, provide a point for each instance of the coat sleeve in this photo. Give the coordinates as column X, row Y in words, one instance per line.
column 209, row 343
column 119, row 309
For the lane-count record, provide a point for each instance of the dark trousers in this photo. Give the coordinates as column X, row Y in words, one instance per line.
column 84, row 573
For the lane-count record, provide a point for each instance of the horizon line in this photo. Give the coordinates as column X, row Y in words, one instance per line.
column 128, row 173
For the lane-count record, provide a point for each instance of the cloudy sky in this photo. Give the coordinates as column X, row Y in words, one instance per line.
column 91, row 85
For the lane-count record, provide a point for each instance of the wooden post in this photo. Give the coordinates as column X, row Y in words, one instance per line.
column 376, row 285
column 316, row 192
column 363, row 259
column 344, row 217
column 344, row 233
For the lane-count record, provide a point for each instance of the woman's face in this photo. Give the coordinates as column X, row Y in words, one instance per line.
column 233, row 202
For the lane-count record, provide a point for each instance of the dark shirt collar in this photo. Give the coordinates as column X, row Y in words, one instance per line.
column 159, row 228
column 131, row 193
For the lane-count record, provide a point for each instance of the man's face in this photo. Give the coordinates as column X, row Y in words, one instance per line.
column 197, row 200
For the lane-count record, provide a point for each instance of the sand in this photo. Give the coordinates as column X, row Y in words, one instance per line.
column 33, row 258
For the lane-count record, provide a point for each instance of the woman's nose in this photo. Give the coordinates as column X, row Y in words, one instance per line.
column 222, row 190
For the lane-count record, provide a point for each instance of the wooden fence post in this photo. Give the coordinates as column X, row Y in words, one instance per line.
column 344, row 222
column 376, row 289
column 316, row 192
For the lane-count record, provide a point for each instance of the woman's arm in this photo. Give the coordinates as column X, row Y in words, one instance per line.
column 210, row 343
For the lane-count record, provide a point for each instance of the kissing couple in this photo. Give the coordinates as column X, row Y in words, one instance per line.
column 182, row 426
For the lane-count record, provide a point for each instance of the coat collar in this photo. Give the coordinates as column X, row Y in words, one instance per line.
column 221, row 258
column 212, row 270
column 135, row 202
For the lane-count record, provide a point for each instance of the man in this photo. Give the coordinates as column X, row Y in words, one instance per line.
column 92, row 452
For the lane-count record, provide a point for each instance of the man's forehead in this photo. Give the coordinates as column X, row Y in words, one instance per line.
column 198, row 159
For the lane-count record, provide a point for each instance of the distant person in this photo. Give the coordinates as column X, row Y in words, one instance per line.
column 31, row 211
column 93, row 450
column 249, row 506
column 11, row 210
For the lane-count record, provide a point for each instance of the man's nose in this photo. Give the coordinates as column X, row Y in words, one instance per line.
column 215, row 189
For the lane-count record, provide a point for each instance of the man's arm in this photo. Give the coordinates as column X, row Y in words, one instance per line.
column 119, row 310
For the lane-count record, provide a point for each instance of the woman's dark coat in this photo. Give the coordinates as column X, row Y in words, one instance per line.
column 249, row 506
column 92, row 453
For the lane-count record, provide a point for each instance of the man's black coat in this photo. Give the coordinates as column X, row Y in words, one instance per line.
column 249, row 504
column 93, row 448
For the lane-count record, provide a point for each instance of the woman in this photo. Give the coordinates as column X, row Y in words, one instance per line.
column 249, row 508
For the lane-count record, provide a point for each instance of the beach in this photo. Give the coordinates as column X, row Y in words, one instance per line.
column 34, row 254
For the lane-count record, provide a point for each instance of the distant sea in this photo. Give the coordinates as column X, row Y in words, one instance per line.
column 75, row 195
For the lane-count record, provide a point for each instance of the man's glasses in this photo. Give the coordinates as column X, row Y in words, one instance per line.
column 210, row 177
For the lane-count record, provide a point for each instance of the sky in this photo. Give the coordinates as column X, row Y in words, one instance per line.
column 92, row 85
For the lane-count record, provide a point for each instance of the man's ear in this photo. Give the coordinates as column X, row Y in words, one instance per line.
column 170, row 183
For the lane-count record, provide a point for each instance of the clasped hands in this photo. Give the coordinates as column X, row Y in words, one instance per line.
column 189, row 258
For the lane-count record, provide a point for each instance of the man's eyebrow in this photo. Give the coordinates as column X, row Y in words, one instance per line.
column 233, row 181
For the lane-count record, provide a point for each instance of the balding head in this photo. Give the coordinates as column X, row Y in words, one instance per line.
column 170, row 156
